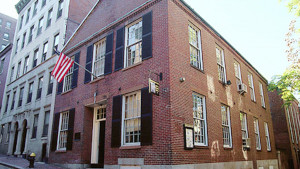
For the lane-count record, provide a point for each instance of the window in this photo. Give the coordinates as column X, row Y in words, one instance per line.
column 28, row 15
column 237, row 72
column 35, row 7
column 101, row 113
column 35, row 124
column 21, row 97
column 19, row 70
column 251, row 86
column 195, row 47
column 200, row 126
column 12, row 74
column 7, row 101
column 2, row 131
column 13, row 101
column 132, row 119
column 43, row 3
column 35, row 58
column 30, row 89
column 8, row 25
column 40, row 27
column 261, row 92
column 46, row 124
column 68, row 79
column 26, row 64
column 50, row 86
column 63, row 131
column 50, row 12
column 294, row 124
column 8, row 132
column 45, row 49
column 99, row 58
column 21, row 22
column 6, row 36
column 226, row 126
column 243, row 118
column 290, row 125
column 267, row 137
column 55, row 43
column 1, row 65
column 221, row 64
column 23, row 41
column 30, row 33
column 40, row 87
column 60, row 8
column 257, row 136
column 133, row 44
column 17, row 44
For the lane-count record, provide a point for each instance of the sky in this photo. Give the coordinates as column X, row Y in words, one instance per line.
column 256, row 28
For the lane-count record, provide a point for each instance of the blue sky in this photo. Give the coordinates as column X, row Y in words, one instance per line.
column 256, row 28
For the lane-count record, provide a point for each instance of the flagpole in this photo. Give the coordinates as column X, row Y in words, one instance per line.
column 58, row 53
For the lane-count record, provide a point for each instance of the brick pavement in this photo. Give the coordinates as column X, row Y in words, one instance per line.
column 20, row 163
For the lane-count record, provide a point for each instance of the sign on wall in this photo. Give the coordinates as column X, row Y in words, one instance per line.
column 188, row 137
column 153, row 87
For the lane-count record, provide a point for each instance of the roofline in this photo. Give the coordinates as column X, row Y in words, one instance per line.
column 219, row 35
column 21, row 5
column 6, row 49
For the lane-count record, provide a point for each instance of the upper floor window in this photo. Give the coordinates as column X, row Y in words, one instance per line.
column 262, row 98
column 30, row 33
column 43, row 3
column 40, row 87
column 195, row 47
column 2, row 65
column 226, row 126
column 251, row 86
column 221, row 64
column 35, row 7
column 30, row 89
column 60, row 8
column 26, row 64
column 35, row 125
column 50, row 85
column 68, row 79
column 243, row 118
column 99, row 57
column 21, row 97
column 6, row 105
column 23, row 41
column 50, row 12
column 290, row 124
column 40, row 26
column 19, row 70
column 35, row 58
column 267, row 137
column 256, row 132
column 237, row 72
column 46, row 124
column 13, row 100
column 21, row 22
column 45, row 50
column 63, row 131
column 28, row 15
column 8, row 25
column 6, row 36
column 133, row 43
column 55, row 43
column 12, row 74
column 200, row 124
column 17, row 44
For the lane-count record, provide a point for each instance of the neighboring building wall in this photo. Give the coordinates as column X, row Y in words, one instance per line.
column 29, row 120
column 7, row 27
column 286, row 129
column 172, row 108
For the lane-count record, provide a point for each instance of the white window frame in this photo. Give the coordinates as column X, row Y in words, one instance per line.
column 226, row 119
column 68, row 79
column 62, row 140
column 133, row 44
column 19, row 70
column 262, row 97
column 257, row 135
column 267, row 136
column 251, row 86
column 26, row 64
column 237, row 73
column 45, row 51
column 101, row 60
column 138, row 116
column 294, row 124
column 244, row 126
column 199, row 61
column 204, row 120
column 221, row 65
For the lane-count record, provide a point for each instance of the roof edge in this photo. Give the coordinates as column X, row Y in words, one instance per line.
column 21, row 4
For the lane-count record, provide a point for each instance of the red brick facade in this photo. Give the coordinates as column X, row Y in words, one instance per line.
column 174, row 106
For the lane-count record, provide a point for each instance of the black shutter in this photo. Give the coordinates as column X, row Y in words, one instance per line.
column 116, row 121
column 55, row 131
column 70, row 129
column 119, row 49
column 147, row 36
column 75, row 71
column 146, row 117
column 60, row 87
column 88, row 65
column 108, row 54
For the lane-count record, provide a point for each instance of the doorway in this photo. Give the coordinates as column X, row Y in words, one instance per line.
column 23, row 141
column 98, row 139
column 15, row 138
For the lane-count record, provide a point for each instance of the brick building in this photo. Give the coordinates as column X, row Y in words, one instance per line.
column 286, row 130
column 7, row 30
column 198, row 120
column 29, row 103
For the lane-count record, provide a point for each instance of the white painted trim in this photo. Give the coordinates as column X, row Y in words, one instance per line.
column 95, row 139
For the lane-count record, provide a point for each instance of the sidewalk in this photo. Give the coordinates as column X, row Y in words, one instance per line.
column 20, row 163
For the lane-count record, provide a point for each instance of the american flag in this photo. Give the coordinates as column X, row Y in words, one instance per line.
column 62, row 66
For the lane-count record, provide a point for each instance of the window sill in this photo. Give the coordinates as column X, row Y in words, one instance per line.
column 201, row 147
column 130, row 147
column 63, row 93
column 197, row 68
column 44, row 138
column 39, row 99
column 258, row 150
column 132, row 66
column 33, row 139
column 60, row 151
column 97, row 79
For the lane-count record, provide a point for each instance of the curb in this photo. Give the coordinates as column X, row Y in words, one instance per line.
column 10, row 165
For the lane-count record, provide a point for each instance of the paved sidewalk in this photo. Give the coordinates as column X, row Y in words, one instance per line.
column 20, row 163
